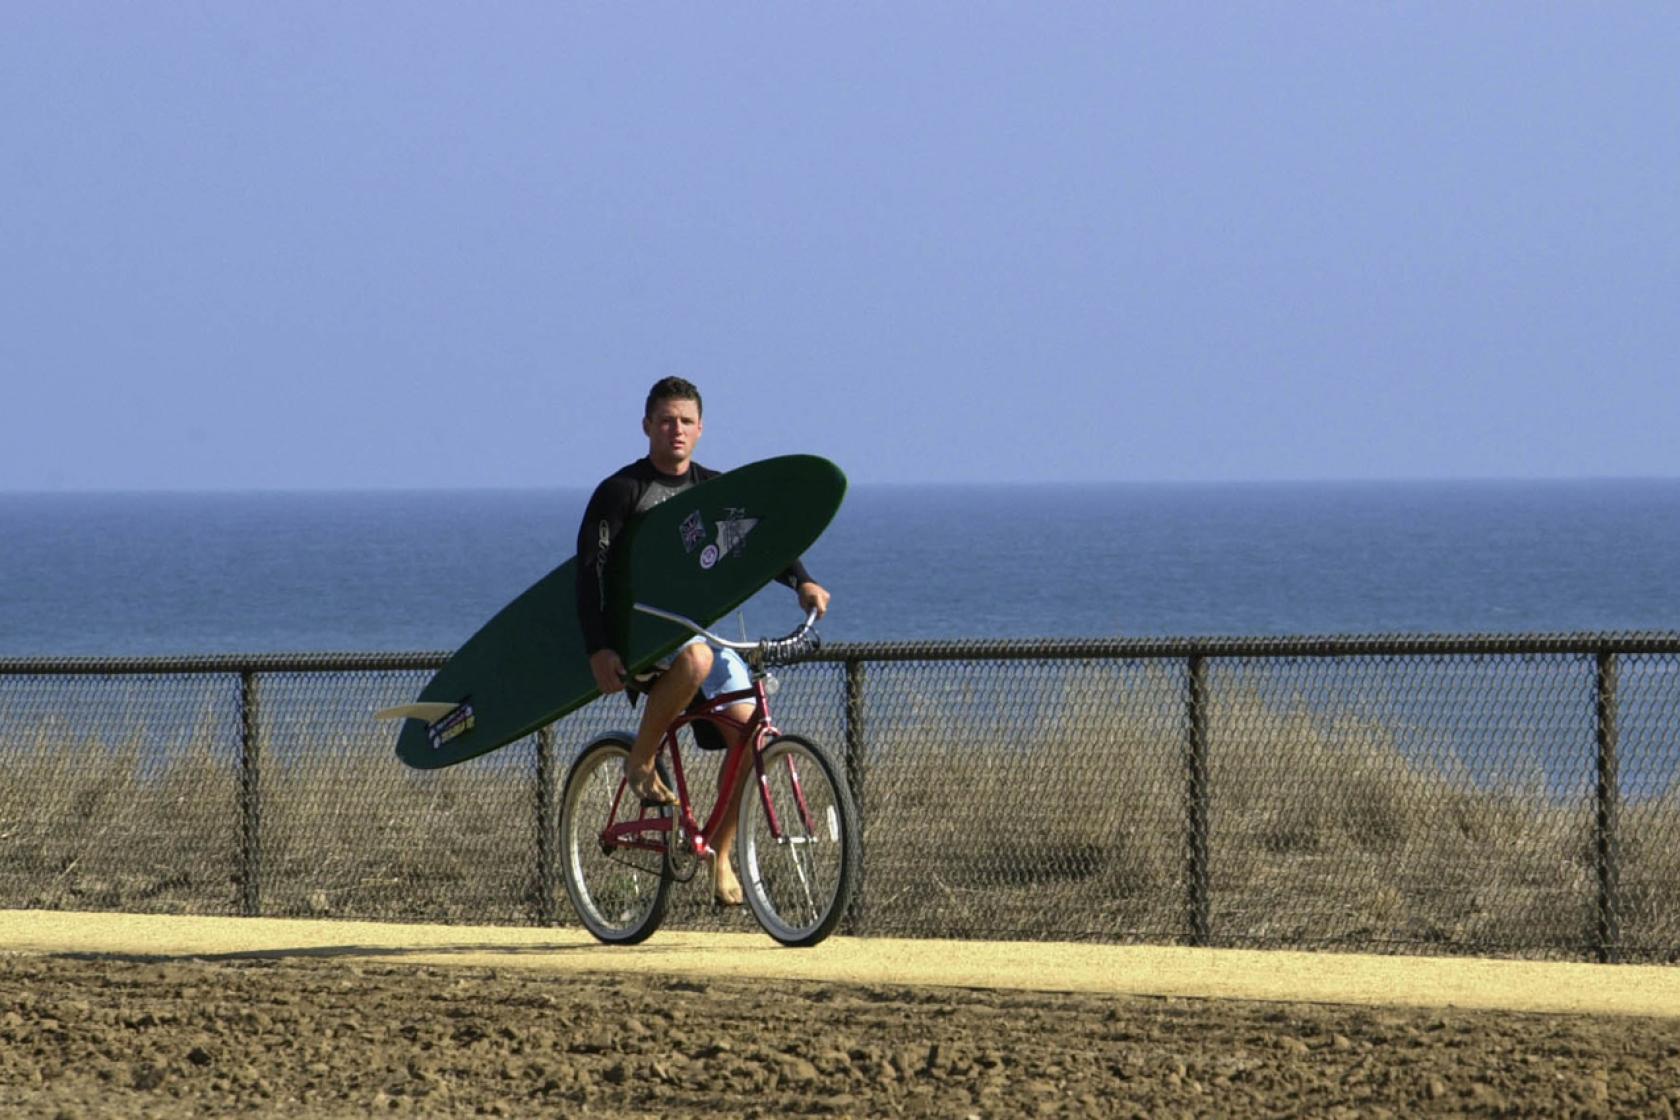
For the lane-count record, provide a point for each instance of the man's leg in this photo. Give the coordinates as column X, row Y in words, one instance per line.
column 726, row 886
column 668, row 697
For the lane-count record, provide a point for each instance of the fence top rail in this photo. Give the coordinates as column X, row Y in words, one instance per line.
column 1331, row 645
column 1372, row 645
column 223, row 663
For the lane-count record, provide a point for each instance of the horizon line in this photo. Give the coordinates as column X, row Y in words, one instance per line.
column 939, row 484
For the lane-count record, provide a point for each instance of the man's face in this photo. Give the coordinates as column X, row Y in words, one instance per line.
column 673, row 428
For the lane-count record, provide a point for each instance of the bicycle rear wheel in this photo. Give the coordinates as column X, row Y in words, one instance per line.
column 800, row 848
column 619, row 892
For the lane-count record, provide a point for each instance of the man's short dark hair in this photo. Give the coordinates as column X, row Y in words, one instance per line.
column 673, row 389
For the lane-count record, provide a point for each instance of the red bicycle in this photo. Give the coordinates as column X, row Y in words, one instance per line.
column 798, row 842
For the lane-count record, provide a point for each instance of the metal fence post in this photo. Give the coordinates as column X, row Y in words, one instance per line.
column 250, row 798
column 1608, row 935
column 856, row 777
column 548, row 827
column 1196, row 803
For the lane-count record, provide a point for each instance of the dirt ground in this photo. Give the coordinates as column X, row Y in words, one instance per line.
column 124, row 1036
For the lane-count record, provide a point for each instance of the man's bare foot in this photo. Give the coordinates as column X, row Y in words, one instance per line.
column 647, row 786
column 726, row 888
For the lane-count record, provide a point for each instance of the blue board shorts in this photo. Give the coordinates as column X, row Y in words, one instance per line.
column 729, row 672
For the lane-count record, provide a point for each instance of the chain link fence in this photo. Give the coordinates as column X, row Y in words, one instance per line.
column 1488, row 795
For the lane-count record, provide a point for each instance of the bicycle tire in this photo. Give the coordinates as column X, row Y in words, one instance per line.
column 619, row 895
column 800, row 861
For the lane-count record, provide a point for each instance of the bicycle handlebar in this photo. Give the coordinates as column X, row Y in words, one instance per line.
column 802, row 639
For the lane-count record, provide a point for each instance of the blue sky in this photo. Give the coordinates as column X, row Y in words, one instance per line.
column 338, row 245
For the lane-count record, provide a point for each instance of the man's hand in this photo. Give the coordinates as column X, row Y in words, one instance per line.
column 813, row 597
column 608, row 669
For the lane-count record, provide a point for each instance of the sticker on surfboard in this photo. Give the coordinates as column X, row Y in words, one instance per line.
column 443, row 721
column 732, row 530
column 452, row 726
column 693, row 530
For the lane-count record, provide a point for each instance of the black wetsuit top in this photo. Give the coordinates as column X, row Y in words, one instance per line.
column 630, row 491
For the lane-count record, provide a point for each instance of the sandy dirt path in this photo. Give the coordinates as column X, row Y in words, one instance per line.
column 1024, row 966
column 108, row 1015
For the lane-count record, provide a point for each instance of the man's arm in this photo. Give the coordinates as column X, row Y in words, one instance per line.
column 609, row 508
column 812, row 595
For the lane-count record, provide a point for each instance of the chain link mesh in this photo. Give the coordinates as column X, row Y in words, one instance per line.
column 1646, row 899
column 1023, row 799
column 121, row 792
column 346, row 831
column 1496, row 796
column 1384, row 801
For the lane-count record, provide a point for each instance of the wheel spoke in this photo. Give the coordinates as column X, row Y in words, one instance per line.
column 617, row 885
column 798, row 880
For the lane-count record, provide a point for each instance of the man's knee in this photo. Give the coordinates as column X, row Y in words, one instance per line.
column 691, row 665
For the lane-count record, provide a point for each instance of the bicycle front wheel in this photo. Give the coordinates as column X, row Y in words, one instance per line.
column 617, row 886
column 800, row 848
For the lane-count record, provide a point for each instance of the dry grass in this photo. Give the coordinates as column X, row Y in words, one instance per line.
column 80, row 820
column 1320, row 832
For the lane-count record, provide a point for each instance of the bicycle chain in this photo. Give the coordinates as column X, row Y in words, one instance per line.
column 680, row 861
column 679, row 853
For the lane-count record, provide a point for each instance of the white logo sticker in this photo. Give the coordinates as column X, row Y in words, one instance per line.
column 708, row 557
column 733, row 531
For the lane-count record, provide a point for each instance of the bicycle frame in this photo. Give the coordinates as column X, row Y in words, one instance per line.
column 800, row 846
column 651, row 833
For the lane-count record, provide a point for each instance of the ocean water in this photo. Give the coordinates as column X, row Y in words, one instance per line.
column 136, row 574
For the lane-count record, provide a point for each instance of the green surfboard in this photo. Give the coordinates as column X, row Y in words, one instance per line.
column 701, row 553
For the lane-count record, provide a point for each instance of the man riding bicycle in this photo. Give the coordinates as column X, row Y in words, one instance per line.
column 672, row 421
